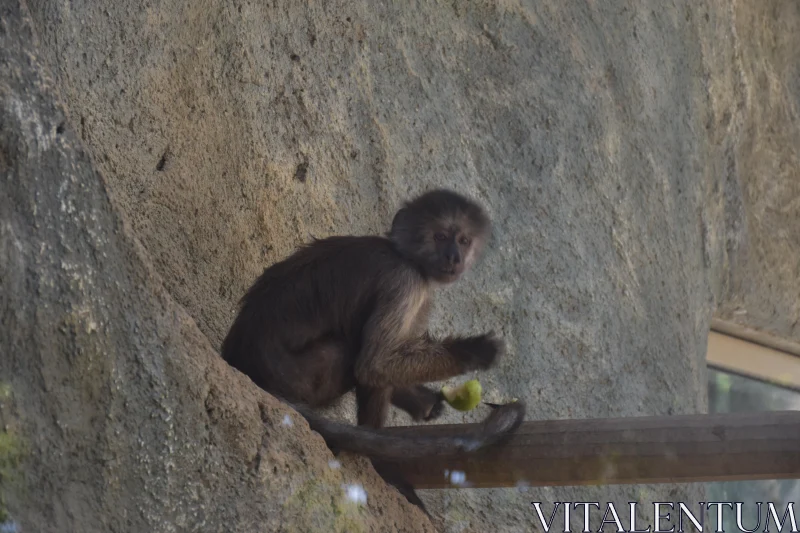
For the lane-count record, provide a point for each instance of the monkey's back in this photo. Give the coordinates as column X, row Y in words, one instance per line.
column 324, row 292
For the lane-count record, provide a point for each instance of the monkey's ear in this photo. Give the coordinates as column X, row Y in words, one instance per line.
column 403, row 232
column 401, row 223
column 401, row 214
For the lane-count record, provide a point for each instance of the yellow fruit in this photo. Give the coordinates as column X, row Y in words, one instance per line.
column 464, row 397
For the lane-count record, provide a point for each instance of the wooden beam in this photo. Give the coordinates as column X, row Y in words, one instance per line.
column 753, row 360
column 755, row 336
column 661, row 449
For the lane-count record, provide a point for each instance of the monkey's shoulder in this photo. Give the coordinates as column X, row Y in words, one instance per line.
column 355, row 253
column 365, row 245
column 369, row 262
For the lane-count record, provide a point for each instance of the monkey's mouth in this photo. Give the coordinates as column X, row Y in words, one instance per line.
column 449, row 273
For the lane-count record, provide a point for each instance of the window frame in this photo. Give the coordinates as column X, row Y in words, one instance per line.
column 739, row 350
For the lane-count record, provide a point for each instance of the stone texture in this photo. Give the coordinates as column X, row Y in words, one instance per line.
column 762, row 283
column 637, row 158
column 121, row 415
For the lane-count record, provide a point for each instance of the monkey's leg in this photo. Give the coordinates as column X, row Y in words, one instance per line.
column 419, row 401
column 373, row 405
column 316, row 375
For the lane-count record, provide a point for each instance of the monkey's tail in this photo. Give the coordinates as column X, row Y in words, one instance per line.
column 387, row 445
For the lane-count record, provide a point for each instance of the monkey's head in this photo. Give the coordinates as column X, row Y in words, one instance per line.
column 442, row 232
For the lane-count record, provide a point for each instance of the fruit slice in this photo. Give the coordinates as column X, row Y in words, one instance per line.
column 464, row 397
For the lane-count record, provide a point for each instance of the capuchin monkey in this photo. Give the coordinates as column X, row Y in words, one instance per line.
column 347, row 313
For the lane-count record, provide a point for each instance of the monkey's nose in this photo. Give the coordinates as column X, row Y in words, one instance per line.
column 453, row 258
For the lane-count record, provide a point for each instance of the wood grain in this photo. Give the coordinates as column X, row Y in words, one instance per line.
column 660, row 449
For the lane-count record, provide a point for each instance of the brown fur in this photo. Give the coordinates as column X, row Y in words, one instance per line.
column 352, row 312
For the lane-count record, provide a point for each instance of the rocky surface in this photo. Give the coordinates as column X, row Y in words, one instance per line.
column 762, row 289
column 116, row 412
column 639, row 160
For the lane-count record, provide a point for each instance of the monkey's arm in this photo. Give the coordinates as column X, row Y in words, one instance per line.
column 413, row 361
column 393, row 354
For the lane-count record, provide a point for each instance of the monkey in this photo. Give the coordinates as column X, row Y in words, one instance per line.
column 351, row 312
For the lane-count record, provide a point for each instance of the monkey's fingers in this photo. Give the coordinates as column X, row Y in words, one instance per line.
column 436, row 409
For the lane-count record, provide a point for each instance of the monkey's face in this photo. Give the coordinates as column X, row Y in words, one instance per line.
column 442, row 232
column 451, row 252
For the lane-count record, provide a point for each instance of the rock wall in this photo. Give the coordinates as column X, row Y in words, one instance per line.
column 762, row 282
column 624, row 150
column 116, row 412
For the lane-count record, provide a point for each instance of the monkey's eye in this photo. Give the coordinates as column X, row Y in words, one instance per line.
column 440, row 236
column 465, row 241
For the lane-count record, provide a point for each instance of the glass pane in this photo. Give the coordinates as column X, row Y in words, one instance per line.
column 731, row 393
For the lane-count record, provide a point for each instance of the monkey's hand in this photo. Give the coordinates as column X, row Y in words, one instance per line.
column 419, row 401
column 479, row 352
column 437, row 408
